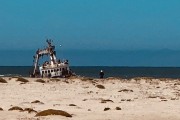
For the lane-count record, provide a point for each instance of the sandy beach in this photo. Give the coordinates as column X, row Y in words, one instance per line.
column 91, row 99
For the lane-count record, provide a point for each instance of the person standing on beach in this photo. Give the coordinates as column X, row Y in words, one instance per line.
column 101, row 74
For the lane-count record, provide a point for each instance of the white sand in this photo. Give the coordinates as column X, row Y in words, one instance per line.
column 147, row 99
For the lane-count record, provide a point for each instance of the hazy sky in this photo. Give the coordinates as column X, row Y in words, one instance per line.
column 90, row 24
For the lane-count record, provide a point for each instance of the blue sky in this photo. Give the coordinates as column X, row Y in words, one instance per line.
column 90, row 24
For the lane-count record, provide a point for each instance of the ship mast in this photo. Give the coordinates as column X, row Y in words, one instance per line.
column 49, row 50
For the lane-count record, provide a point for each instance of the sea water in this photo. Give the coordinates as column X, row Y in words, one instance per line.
column 93, row 71
column 89, row 63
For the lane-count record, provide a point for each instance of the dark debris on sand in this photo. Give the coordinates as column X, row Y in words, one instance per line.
column 100, row 86
column 37, row 101
column 2, row 80
column 53, row 112
column 118, row 108
column 40, row 81
column 107, row 100
column 125, row 90
column 22, row 80
column 106, row 109
column 72, row 105
column 15, row 108
column 1, row 109
column 30, row 110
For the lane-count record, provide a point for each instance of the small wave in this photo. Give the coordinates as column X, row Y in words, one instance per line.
column 9, row 75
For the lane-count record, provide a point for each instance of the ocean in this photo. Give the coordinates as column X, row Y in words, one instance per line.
column 19, row 63
column 93, row 71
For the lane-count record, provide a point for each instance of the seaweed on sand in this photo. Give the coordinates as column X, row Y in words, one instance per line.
column 106, row 109
column 37, row 101
column 2, row 80
column 1, row 109
column 100, row 86
column 125, row 90
column 118, row 108
column 40, row 81
column 16, row 108
column 107, row 100
column 86, row 78
column 29, row 110
column 20, row 79
column 55, row 79
column 53, row 112
column 72, row 105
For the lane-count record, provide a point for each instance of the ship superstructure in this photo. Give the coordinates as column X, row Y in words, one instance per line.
column 52, row 68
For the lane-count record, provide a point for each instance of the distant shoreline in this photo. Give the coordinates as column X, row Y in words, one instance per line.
column 93, row 71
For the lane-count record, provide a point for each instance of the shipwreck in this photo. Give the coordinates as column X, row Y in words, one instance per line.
column 53, row 68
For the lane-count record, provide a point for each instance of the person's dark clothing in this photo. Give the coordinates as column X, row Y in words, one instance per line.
column 101, row 74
